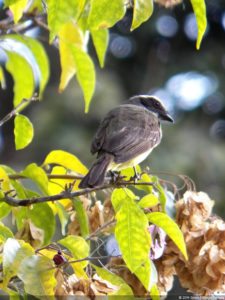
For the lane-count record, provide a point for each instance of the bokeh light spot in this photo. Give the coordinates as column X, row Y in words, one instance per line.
column 167, row 26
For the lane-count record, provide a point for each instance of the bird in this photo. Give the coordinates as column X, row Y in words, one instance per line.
column 125, row 137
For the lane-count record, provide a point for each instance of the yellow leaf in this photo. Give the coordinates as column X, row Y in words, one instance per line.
column 17, row 9
column 5, row 182
column 67, row 160
column 70, row 34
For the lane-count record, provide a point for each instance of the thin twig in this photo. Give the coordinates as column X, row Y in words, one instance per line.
column 96, row 232
column 14, row 112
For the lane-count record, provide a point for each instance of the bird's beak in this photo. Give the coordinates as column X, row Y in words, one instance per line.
column 167, row 117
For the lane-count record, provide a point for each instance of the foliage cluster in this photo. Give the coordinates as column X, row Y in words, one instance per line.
column 30, row 262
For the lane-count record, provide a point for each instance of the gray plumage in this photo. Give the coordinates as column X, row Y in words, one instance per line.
column 124, row 136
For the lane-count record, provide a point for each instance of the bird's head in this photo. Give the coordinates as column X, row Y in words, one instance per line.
column 153, row 104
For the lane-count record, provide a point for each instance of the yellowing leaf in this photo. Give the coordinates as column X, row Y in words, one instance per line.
column 142, row 11
column 37, row 274
column 70, row 34
column 105, row 13
column 56, row 186
column 200, row 14
column 2, row 79
column 131, row 229
column 17, row 9
column 14, row 252
column 149, row 200
column 38, row 175
column 85, row 74
column 23, row 131
column 124, row 288
column 100, row 39
column 61, row 12
column 79, row 248
column 163, row 221
column 67, row 160
column 23, row 85
column 154, row 293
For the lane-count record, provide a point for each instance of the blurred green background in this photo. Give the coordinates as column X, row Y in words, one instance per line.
column 159, row 58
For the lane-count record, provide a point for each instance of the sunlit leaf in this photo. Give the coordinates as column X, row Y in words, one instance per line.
column 61, row 12
column 10, row 2
column 38, row 175
column 63, row 217
column 23, row 85
column 37, row 274
column 163, row 221
column 57, row 185
column 17, row 9
column 100, row 39
column 5, row 233
column 2, row 79
column 131, row 229
column 23, row 131
column 143, row 272
column 124, row 288
column 149, row 200
column 70, row 34
column 42, row 65
column 162, row 196
column 85, row 73
column 105, row 13
column 142, row 11
column 14, row 252
column 5, row 186
column 5, row 209
column 81, row 216
column 79, row 249
column 201, row 18
column 42, row 216
column 154, row 293
column 67, row 160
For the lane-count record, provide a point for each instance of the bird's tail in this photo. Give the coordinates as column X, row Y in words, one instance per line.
column 96, row 175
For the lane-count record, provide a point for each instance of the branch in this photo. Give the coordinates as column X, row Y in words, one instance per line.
column 66, row 194
column 18, row 108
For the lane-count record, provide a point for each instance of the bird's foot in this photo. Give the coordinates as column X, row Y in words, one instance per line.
column 115, row 177
column 136, row 177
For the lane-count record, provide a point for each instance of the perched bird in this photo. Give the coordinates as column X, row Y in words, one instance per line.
column 125, row 137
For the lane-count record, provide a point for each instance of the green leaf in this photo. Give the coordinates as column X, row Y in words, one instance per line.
column 67, row 160
column 61, row 12
column 38, row 276
column 124, row 288
column 38, row 175
column 2, row 79
column 17, row 8
column 5, row 233
column 63, row 217
column 131, row 229
column 23, row 131
column 162, row 196
column 79, row 249
column 142, row 11
column 81, row 216
column 171, row 228
column 100, row 39
column 149, row 200
column 9, row 2
column 85, row 74
column 14, row 252
column 69, row 35
column 23, row 85
column 105, row 13
column 40, row 56
column 200, row 14
column 42, row 217
column 5, row 209
column 144, row 274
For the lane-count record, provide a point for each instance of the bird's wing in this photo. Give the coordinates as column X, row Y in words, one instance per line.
column 126, row 132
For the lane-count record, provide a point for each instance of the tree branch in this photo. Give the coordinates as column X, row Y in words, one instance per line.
column 12, row 113
column 66, row 194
